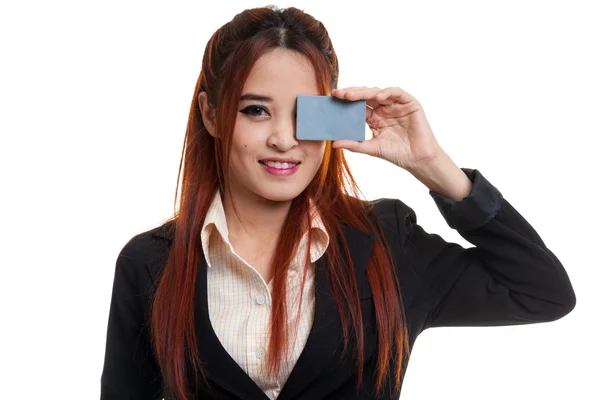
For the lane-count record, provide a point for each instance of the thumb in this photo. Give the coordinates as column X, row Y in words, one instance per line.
column 352, row 145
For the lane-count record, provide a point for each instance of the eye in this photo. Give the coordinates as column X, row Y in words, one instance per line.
column 254, row 110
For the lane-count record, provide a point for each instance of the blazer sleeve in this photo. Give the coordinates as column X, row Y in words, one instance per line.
column 509, row 277
column 130, row 368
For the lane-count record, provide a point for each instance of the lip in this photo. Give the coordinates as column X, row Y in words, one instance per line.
column 281, row 160
column 280, row 171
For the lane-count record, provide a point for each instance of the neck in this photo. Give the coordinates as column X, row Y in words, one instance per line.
column 257, row 220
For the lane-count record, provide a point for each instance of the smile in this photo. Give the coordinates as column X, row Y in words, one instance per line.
column 279, row 165
column 280, row 169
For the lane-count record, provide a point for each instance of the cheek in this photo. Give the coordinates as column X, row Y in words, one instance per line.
column 315, row 152
column 247, row 139
column 319, row 149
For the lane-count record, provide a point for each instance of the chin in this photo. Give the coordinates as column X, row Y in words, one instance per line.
column 283, row 194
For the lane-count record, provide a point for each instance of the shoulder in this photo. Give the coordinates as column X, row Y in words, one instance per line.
column 387, row 208
column 392, row 214
column 145, row 254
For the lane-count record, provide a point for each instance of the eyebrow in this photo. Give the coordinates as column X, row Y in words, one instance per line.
column 256, row 97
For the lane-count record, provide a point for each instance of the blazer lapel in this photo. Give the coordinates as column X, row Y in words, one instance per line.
column 218, row 364
column 323, row 341
column 219, row 367
column 325, row 336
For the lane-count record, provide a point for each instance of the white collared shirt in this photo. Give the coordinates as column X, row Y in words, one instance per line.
column 239, row 299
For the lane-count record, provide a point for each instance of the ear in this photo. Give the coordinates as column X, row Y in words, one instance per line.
column 208, row 114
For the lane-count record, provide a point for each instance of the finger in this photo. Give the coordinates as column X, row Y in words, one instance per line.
column 341, row 90
column 394, row 94
column 350, row 88
column 369, row 112
column 365, row 147
column 345, row 144
column 360, row 93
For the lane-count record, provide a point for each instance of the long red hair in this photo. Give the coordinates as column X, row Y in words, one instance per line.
column 228, row 58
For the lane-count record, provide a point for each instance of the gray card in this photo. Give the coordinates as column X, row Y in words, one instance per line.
column 330, row 118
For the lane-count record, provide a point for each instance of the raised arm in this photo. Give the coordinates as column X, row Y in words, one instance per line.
column 509, row 277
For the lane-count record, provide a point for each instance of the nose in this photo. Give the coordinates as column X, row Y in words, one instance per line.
column 283, row 136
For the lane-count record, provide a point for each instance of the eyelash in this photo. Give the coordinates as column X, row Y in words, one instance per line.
column 246, row 110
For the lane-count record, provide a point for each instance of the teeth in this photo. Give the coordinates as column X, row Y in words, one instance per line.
column 279, row 165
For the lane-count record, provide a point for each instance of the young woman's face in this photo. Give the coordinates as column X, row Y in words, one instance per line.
column 266, row 158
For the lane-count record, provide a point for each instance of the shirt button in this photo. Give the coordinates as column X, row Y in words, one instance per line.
column 260, row 353
column 260, row 299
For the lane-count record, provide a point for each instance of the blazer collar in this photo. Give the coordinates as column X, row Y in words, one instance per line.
column 323, row 340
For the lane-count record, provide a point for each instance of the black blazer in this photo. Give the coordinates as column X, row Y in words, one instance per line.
column 509, row 277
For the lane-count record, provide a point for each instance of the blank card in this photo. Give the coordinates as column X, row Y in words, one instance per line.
column 330, row 118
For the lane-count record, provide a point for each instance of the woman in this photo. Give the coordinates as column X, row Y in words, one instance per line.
column 273, row 280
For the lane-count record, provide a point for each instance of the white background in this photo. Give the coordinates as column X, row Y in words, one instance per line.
column 94, row 102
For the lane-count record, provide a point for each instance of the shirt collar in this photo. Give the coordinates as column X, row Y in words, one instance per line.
column 215, row 219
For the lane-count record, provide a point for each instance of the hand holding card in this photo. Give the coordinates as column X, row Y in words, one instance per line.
column 401, row 132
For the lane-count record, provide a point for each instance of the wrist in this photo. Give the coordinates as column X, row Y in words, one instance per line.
column 441, row 175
